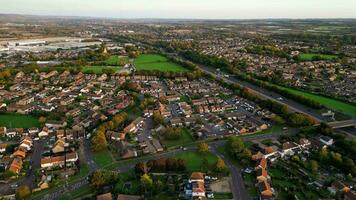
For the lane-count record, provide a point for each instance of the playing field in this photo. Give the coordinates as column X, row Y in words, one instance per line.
column 98, row 69
column 11, row 120
column 195, row 160
column 114, row 60
column 157, row 62
column 327, row 102
column 310, row 56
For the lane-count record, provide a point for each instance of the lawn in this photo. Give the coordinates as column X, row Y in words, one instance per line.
column 195, row 160
column 12, row 120
column 113, row 60
column 102, row 158
column 185, row 138
column 327, row 102
column 157, row 62
column 310, row 56
column 99, row 69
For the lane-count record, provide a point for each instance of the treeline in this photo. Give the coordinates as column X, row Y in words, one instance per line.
column 161, row 165
column 267, row 50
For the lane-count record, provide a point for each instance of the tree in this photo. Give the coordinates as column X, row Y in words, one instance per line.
column 157, row 118
column 220, row 165
column 99, row 142
column 42, row 120
column 23, row 192
column 203, row 148
column 146, row 182
column 314, row 166
column 102, row 178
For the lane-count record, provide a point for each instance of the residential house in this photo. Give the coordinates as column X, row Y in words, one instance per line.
column 44, row 132
column 16, row 165
column 326, row 140
column 3, row 148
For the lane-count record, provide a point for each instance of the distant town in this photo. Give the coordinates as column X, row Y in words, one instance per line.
column 177, row 109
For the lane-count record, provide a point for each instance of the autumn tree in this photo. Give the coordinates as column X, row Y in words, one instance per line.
column 203, row 148
column 220, row 165
column 23, row 192
column 146, row 182
column 99, row 142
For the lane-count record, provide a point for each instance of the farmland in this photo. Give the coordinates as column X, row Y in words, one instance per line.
column 12, row 120
column 157, row 62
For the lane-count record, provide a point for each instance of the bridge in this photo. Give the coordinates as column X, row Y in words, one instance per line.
column 342, row 124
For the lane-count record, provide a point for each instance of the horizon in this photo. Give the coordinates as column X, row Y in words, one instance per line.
column 185, row 9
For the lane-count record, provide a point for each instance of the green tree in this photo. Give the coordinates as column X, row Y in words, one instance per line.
column 314, row 166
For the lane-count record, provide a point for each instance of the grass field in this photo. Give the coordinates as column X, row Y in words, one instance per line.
column 195, row 160
column 157, row 62
column 186, row 138
column 102, row 158
column 327, row 102
column 12, row 120
column 309, row 56
column 98, row 69
column 113, row 60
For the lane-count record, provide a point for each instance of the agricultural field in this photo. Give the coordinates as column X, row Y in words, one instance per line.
column 99, row 69
column 334, row 104
column 12, row 120
column 157, row 62
column 310, row 56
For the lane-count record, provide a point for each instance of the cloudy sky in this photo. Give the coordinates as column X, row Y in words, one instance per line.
column 202, row 9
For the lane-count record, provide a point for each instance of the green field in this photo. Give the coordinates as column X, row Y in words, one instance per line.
column 310, row 56
column 99, row 69
column 102, row 158
column 186, row 138
column 114, row 60
column 195, row 160
column 12, row 120
column 327, row 102
column 157, row 62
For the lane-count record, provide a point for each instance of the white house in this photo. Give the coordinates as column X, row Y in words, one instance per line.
column 326, row 140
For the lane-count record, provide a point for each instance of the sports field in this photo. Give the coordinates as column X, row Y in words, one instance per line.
column 157, row 62
column 310, row 56
column 327, row 102
column 12, row 120
column 114, row 60
column 195, row 160
column 98, row 69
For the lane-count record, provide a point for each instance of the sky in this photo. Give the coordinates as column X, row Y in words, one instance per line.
column 192, row 9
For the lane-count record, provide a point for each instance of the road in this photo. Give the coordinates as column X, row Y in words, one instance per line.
column 238, row 188
column 58, row 192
